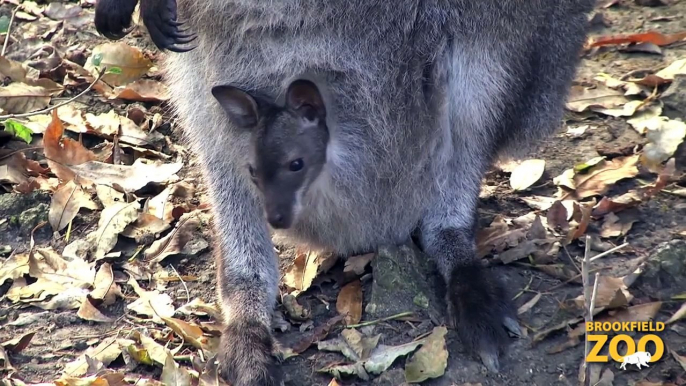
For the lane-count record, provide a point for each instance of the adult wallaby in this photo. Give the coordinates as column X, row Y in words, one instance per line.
column 423, row 96
column 288, row 149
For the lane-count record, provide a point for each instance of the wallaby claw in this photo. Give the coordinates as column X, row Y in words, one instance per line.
column 512, row 326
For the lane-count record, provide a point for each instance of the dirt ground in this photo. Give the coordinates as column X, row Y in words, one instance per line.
column 61, row 336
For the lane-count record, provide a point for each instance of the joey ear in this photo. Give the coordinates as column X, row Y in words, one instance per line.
column 240, row 106
column 303, row 93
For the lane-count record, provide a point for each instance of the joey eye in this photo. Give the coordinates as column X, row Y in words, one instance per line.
column 296, row 165
column 252, row 171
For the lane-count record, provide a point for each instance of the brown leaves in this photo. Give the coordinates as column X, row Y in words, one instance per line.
column 653, row 37
column 599, row 178
column 349, row 302
column 527, row 173
column 306, row 266
column 63, row 152
column 130, row 60
column 65, row 204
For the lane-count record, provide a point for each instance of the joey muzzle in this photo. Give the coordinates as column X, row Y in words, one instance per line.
column 280, row 216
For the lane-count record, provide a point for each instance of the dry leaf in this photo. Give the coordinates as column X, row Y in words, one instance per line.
column 113, row 220
column 526, row 174
column 582, row 98
column 557, row 216
column 173, row 374
column 677, row 315
column 664, row 136
column 210, row 375
column 19, row 98
column 142, row 90
column 530, row 304
column 431, row 360
column 151, row 303
column 16, row 266
column 88, row 311
column 654, row 37
column 356, row 264
column 105, row 289
column 361, row 345
column 63, row 152
column 110, row 124
column 65, row 204
column 16, row 345
column 193, row 334
column 612, row 293
column 146, row 224
column 319, row 333
column 129, row 178
column 615, row 226
column 130, row 60
column 601, row 177
column 175, row 242
column 349, row 302
column 306, row 266
column 106, row 352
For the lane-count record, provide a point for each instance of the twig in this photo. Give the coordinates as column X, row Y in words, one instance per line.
column 587, row 305
column 9, row 28
column 188, row 294
column 372, row 322
column 594, row 270
column 49, row 109
column 609, row 251
column 593, row 297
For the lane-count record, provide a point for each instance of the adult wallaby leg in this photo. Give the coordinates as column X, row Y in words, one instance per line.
column 247, row 269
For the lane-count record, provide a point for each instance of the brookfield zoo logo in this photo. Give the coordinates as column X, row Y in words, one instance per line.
column 636, row 353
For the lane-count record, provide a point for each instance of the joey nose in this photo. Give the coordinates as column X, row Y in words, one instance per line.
column 276, row 220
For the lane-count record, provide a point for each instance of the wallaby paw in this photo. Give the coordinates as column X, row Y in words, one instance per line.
column 482, row 312
column 163, row 28
column 245, row 355
column 113, row 18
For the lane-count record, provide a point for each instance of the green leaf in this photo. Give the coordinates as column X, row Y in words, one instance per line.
column 588, row 164
column 4, row 24
column 114, row 70
column 97, row 59
column 18, row 130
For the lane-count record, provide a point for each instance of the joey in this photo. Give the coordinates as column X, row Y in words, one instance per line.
column 288, row 144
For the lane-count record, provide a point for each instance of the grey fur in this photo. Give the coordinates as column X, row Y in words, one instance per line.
column 424, row 95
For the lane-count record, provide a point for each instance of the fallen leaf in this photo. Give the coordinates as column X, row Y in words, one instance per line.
column 431, row 360
column 193, row 334
column 145, row 225
column 616, row 226
column 16, row 345
column 151, row 303
column 526, row 174
column 173, row 374
column 557, row 216
column 361, row 345
column 130, row 178
column 104, row 287
column 294, row 309
column 5, row 360
column 18, row 130
column 530, row 304
column 349, row 302
column 198, row 307
column 646, row 118
column 316, row 335
column 538, row 202
column 654, row 37
column 106, row 352
column 582, row 167
column 664, row 136
column 89, row 312
column 680, row 359
column 113, row 220
column 16, row 266
column 175, row 242
column 109, row 124
column 142, row 90
column 306, row 266
column 20, row 98
column 156, row 352
column 677, row 67
column 130, row 60
column 601, row 97
column 600, row 178
column 66, row 203
column 356, row 264
column 681, row 312
column 612, row 293
column 63, row 152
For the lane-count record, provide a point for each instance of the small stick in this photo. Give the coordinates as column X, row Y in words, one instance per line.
column 9, row 28
column 609, row 251
column 188, row 294
column 372, row 322
column 587, row 305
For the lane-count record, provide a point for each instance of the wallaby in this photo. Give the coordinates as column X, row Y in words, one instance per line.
column 288, row 144
column 423, row 96
column 113, row 19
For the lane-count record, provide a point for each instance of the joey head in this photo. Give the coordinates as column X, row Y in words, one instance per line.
column 288, row 149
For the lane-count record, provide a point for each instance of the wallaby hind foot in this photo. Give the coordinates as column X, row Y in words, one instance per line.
column 480, row 309
column 245, row 355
